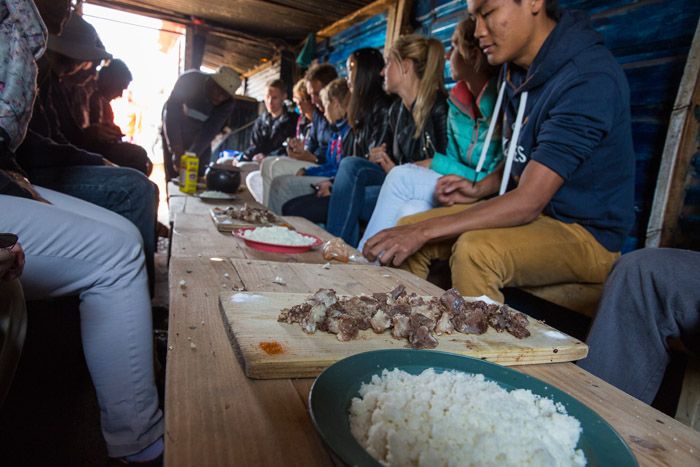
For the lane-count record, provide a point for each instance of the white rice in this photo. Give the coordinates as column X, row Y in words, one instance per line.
column 215, row 194
column 455, row 418
column 278, row 236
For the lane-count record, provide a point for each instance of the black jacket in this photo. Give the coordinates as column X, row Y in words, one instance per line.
column 400, row 143
column 372, row 132
column 269, row 134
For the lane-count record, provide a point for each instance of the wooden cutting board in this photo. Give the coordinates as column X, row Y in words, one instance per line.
column 279, row 350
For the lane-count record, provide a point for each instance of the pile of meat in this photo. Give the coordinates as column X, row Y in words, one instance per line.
column 407, row 315
column 248, row 214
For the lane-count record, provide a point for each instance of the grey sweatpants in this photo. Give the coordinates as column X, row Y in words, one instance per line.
column 650, row 296
column 287, row 187
column 76, row 248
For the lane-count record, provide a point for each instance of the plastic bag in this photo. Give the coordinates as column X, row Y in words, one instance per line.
column 336, row 249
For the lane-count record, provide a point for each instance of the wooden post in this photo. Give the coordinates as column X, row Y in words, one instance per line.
column 195, row 43
column 681, row 144
column 397, row 19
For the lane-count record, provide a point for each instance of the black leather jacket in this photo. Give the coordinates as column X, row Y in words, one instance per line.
column 373, row 132
column 400, row 143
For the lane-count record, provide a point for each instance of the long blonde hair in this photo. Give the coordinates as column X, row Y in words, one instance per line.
column 428, row 57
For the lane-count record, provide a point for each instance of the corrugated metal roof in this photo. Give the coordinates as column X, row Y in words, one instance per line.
column 242, row 32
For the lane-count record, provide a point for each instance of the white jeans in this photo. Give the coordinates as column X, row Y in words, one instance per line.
column 76, row 248
column 408, row 189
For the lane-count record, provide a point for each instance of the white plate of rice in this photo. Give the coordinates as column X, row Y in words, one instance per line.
column 422, row 407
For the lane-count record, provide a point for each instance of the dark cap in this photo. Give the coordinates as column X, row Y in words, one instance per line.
column 78, row 41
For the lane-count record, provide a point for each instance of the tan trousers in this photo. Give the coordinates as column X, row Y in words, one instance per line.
column 543, row 252
column 272, row 167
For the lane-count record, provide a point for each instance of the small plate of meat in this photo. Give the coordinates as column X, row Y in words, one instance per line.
column 277, row 239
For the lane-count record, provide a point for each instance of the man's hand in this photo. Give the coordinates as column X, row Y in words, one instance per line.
column 393, row 246
column 258, row 157
column 379, row 156
column 294, row 145
column 11, row 262
column 453, row 189
column 324, row 188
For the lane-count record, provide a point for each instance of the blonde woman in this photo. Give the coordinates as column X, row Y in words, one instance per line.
column 417, row 129
column 411, row 189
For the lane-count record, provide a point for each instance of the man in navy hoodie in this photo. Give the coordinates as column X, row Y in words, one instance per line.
column 567, row 186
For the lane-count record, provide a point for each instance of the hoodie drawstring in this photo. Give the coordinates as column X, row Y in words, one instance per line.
column 489, row 133
column 513, row 143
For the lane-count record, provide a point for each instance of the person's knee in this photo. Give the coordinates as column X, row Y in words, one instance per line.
column 472, row 253
column 351, row 165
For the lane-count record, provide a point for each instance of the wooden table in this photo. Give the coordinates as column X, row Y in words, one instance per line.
column 215, row 415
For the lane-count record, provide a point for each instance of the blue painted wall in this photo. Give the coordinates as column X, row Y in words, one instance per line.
column 650, row 38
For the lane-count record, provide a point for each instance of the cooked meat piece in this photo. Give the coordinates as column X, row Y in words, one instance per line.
column 398, row 309
column 398, row 291
column 444, row 325
column 453, row 301
column 422, row 339
column 380, row 322
column 401, row 326
column 415, row 300
column 472, row 322
column 331, row 323
column 320, row 302
column 419, row 319
column 348, row 328
column 361, row 308
column 294, row 314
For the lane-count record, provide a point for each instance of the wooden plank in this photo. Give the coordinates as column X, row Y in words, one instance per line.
column 214, row 415
column 681, row 144
column 251, row 318
column 355, row 17
column 655, row 438
column 688, row 411
column 397, row 19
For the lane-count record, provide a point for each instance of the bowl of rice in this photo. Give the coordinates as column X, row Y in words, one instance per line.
column 277, row 239
column 424, row 407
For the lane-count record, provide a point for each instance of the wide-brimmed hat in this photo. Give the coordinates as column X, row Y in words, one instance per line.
column 78, row 41
column 227, row 79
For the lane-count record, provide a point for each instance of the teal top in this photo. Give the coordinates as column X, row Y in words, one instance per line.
column 467, row 123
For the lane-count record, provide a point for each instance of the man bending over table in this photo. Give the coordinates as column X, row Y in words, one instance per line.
column 567, row 186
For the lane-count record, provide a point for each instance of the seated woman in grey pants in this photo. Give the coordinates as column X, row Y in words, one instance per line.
column 76, row 248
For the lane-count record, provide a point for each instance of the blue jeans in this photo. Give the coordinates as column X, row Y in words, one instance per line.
column 122, row 190
column 355, row 191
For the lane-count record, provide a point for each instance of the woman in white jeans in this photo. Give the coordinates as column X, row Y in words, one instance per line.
column 410, row 188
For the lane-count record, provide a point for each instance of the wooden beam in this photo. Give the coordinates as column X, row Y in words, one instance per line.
column 681, row 144
column 353, row 18
column 397, row 19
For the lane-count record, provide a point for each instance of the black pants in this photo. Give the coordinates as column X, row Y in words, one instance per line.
column 310, row 207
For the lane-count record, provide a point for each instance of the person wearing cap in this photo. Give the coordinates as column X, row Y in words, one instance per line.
column 50, row 161
column 112, row 81
column 70, row 247
column 75, row 51
column 195, row 113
